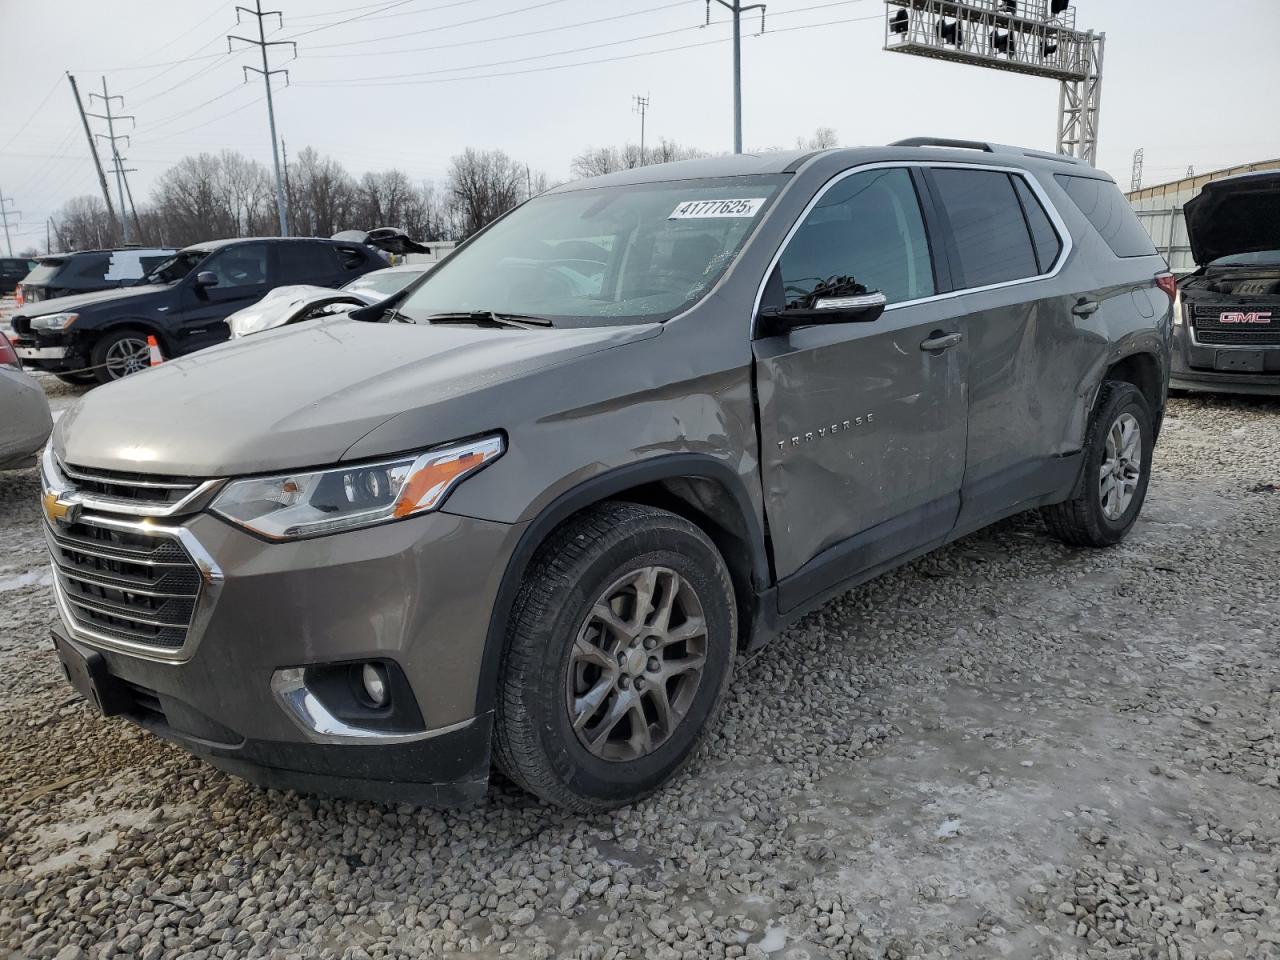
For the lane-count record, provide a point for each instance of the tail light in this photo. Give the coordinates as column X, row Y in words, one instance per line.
column 1169, row 284
column 8, row 358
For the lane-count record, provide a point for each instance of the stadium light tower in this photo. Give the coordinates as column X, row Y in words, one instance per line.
column 1033, row 37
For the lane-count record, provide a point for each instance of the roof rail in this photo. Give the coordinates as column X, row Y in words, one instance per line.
column 988, row 148
column 945, row 142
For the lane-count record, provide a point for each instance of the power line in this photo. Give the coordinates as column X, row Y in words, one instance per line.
column 359, row 16
column 35, row 113
column 444, row 26
column 365, row 81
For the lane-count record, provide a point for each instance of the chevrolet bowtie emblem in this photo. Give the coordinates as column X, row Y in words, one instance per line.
column 59, row 511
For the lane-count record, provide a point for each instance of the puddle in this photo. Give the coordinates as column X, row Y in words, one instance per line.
column 32, row 578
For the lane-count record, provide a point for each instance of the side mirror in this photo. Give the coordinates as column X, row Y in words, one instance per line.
column 860, row 308
column 206, row 278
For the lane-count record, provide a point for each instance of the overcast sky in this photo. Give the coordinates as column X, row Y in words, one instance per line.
column 408, row 83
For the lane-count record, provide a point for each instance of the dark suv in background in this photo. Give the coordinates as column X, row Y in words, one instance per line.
column 12, row 270
column 535, row 504
column 183, row 302
column 87, row 271
column 1227, row 325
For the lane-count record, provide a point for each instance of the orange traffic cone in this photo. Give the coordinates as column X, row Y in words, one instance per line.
column 153, row 348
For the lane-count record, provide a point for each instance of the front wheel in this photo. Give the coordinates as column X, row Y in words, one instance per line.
column 1117, row 471
column 619, row 649
column 118, row 354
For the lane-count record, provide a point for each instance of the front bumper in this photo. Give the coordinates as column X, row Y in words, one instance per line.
column 1196, row 367
column 417, row 593
column 46, row 353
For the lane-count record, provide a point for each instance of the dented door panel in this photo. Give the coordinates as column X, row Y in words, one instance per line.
column 859, row 425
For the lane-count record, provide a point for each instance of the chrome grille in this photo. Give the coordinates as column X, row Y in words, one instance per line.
column 124, row 586
column 135, row 488
column 1211, row 330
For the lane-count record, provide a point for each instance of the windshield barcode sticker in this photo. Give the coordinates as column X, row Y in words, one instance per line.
column 695, row 209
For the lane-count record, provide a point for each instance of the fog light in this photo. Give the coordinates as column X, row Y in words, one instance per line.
column 374, row 678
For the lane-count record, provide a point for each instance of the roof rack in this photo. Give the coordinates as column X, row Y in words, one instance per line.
column 987, row 148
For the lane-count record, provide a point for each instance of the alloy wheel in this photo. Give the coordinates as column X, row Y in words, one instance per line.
column 127, row 355
column 636, row 664
column 1121, row 467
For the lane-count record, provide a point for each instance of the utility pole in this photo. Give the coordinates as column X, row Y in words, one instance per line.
column 4, row 217
column 641, row 106
column 111, row 138
column 737, row 9
column 262, row 43
column 284, row 150
column 48, row 242
column 93, row 149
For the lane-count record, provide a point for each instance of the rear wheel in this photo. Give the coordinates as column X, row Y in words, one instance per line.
column 618, row 653
column 1117, row 470
column 119, row 353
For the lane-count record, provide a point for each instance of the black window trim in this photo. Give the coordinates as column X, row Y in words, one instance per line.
column 943, row 249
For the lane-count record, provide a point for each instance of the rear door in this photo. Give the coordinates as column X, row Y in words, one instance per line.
column 306, row 262
column 243, row 279
column 863, row 424
column 1025, row 341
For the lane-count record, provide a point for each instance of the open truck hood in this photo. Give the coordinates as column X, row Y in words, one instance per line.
column 303, row 395
column 1235, row 215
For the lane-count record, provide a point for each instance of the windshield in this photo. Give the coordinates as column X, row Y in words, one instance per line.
column 176, row 267
column 610, row 254
column 1258, row 259
column 383, row 284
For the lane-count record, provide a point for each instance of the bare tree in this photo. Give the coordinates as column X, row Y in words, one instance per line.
column 483, row 185
column 824, row 138
column 597, row 161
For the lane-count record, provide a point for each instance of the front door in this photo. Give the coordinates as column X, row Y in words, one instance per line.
column 242, row 280
column 863, row 424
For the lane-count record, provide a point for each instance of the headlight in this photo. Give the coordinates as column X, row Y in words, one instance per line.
column 292, row 506
column 1177, row 309
column 53, row 322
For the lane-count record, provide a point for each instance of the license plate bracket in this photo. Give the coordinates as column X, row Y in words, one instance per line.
column 1240, row 361
column 86, row 671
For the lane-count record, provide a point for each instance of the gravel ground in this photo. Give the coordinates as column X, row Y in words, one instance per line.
column 1009, row 748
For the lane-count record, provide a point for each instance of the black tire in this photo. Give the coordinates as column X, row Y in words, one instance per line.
column 105, row 345
column 534, row 739
column 82, row 379
column 1082, row 521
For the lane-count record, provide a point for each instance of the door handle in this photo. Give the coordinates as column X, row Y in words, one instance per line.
column 1086, row 308
column 941, row 341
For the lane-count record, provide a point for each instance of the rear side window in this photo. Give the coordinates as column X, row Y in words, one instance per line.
column 302, row 262
column 868, row 226
column 1106, row 208
column 1043, row 237
column 91, row 268
column 352, row 258
column 992, row 239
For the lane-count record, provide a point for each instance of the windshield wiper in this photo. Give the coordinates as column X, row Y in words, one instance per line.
column 520, row 321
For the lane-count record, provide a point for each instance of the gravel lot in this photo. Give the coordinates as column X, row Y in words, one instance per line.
column 1009, row 748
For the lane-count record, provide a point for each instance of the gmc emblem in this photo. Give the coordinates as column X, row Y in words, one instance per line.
column 1256, row 316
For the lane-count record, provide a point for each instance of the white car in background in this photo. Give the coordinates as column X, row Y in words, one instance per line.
column 295, row 304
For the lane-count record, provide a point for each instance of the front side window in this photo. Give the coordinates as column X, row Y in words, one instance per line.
column 991, row 234
column 868, row 227
column 244, row 265
column 176, row 267
column 632, row 253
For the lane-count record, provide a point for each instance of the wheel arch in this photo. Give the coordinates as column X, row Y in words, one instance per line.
column 705, row 491
column 1144, row 370
column 134, row 323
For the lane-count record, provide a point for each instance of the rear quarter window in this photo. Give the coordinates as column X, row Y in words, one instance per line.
column 352, row 258
column 1106, row 208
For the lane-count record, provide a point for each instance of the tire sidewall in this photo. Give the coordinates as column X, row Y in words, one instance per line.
column 1126, row 399
column 586, row 775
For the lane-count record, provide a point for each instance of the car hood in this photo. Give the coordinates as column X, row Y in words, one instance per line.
column 303, row 395
column 280, row 304
column 1235, row 215
column 82, row 300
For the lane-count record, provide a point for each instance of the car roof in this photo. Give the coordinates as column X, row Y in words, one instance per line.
column 211, row 245
column 84, row 253
column 921, row 149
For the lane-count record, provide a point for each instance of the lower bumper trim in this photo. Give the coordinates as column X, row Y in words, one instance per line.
column 41, row 353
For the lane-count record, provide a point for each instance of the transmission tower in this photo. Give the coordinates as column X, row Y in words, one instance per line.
column 4, row 217
column 1135, row 178
column 110, row 136
column 1033, row 37
column 640, row 105
column 262, row 43
column 737, row 9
